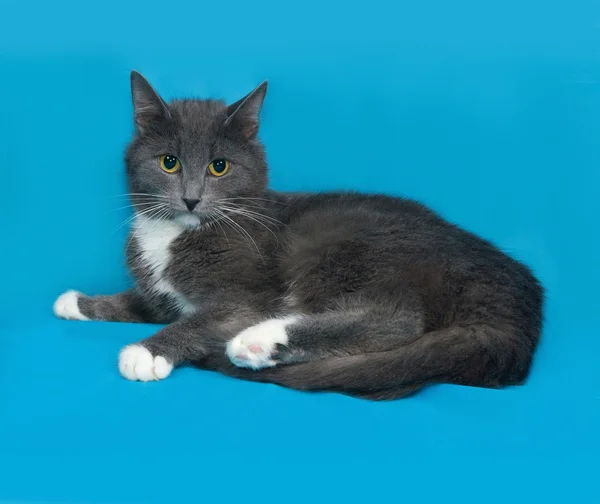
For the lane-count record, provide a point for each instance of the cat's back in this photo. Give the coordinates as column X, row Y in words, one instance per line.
column 296, row 205
column 376, row 218
column 371, row 245
column 381, row 235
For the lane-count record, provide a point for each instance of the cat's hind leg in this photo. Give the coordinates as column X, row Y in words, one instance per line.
column 477, row 355
column 304, row 338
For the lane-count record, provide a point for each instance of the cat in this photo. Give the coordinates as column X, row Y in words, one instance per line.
column 368, row 295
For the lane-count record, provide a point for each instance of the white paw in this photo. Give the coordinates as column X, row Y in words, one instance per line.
column 66, row 307
column 253, row 347
column 136, row 363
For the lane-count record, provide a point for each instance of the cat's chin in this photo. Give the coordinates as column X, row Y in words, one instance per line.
column 188, row 220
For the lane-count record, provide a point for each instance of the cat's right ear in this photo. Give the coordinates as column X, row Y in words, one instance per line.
column 148, row 106
column 244, row 114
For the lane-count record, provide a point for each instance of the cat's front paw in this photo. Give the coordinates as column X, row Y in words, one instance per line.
column 67, row 306
column 138, row 364
column 256, row 347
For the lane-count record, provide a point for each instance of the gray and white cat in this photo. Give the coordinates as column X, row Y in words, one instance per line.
column 367, row 295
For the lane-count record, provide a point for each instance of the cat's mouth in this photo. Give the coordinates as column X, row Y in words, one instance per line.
column 188, row 220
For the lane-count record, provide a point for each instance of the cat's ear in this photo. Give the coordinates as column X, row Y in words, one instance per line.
column 148, row 106
column 244, row 114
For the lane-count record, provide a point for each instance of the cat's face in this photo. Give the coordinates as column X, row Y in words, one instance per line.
column 191, row 158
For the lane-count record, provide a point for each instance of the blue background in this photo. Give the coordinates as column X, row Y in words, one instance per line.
column 488, row 111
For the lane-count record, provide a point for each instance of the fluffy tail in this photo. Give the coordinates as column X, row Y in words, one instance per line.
column 472, row 355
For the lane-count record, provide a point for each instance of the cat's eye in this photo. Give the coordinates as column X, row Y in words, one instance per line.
column 169, row 163
column 218, row 167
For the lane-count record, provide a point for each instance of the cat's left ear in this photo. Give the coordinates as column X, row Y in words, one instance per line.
column 244, row 114
column 148, row 106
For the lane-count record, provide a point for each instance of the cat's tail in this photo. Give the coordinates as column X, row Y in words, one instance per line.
column 472, row 355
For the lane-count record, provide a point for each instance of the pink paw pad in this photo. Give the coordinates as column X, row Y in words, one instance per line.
column 255, row 348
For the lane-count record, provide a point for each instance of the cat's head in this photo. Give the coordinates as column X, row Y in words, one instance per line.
column 188, row 158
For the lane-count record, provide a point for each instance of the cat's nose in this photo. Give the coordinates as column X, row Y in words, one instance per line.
column 190, row 203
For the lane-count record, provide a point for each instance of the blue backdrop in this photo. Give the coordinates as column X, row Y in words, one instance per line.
column 488, row 111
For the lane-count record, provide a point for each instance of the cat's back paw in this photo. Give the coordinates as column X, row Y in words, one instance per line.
column 136, row 363
column 67, row 306
column 256, row 347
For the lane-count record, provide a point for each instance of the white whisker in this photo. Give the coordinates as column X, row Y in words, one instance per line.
column 153, row 208
column 251, row 212
column 240, row 229
column 255, row 219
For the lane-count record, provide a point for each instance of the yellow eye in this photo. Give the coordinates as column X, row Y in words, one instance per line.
column 218, row 167
column 169, row 163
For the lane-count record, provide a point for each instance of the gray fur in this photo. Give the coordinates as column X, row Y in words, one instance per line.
column 393, row 297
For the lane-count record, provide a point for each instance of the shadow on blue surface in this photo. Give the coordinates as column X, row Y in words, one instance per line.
column 488, row 113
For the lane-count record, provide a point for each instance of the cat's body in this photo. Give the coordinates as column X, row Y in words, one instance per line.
column 368, row 295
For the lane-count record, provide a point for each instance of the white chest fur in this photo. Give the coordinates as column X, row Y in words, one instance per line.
column 154, row 239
